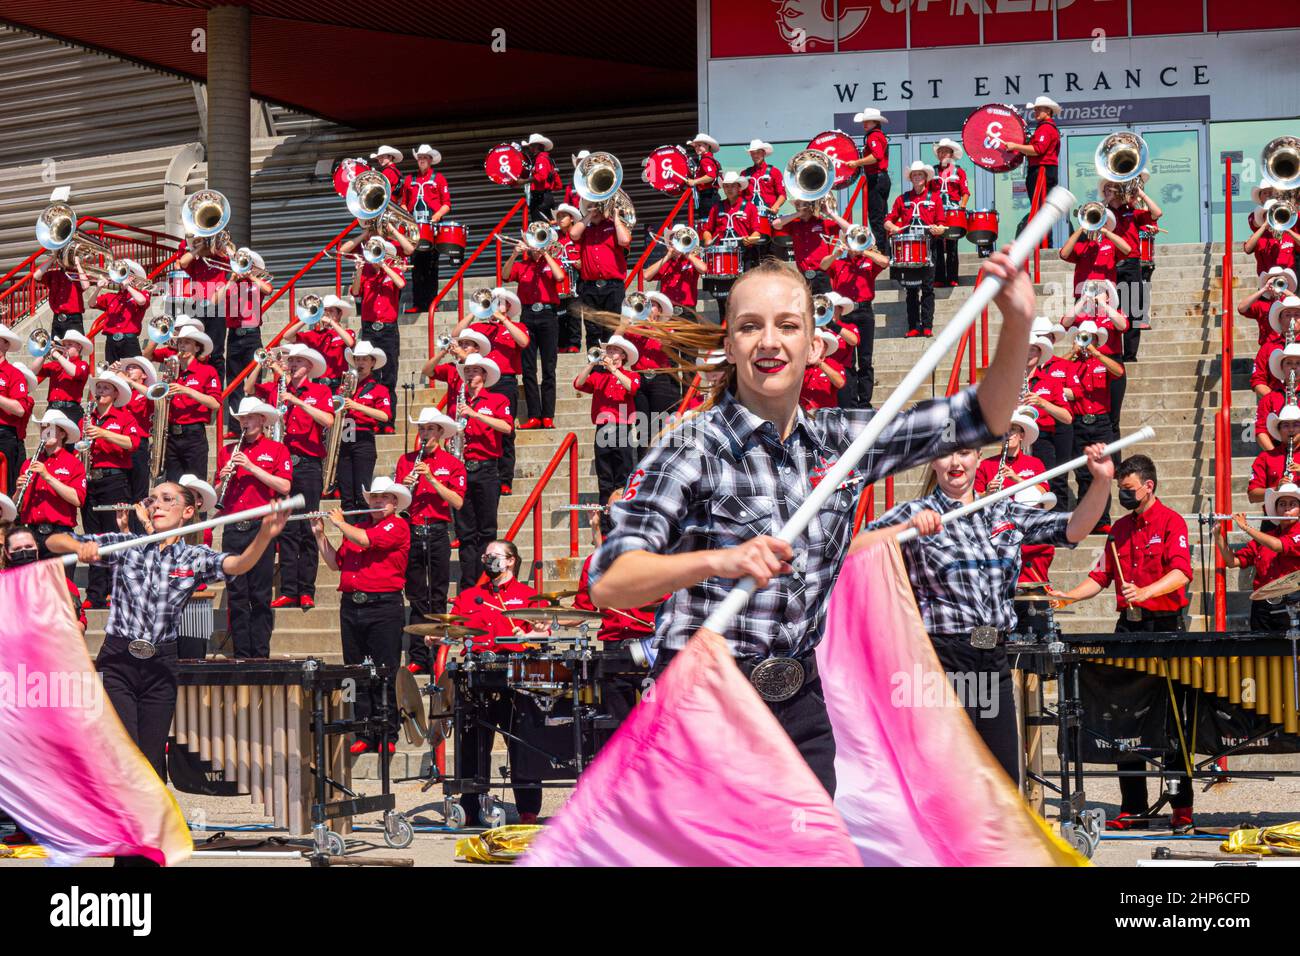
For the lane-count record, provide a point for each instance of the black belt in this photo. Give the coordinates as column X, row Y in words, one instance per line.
column 476, row 464
column 777, row 679
column 48, row 529
column 429, row 529
column 331, row 382
column 811, row 273
column 245, row 525
column 249, row 330
column 143, row 650
column 9, row 429
column 298, row 459
column 542, row 306
column 119, row 336
column 1093, row 419
column 190, row 426
column 379, row 326
column 366, row 597
column 97, row 473
column 983, row 637
column 601, row 283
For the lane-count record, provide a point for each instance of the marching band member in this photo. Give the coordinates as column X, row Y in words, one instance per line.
column 846, row 342
column 508, row 339
column 437, row 482
column 67, row 373
column 310, row 413
column 380, row 289
column 874, row 161
column 1282, row 363
column 16, row 403
column 537, row 275
column 1271, row 248
column 488, row 607
column 1258, row 305
column 853, row 276
column 243, row 329
column 679, row 277
column 124, row 310
column 1090, row 399
column 1003, row 470
column 192, row 399
column 253, row 471
column 1048, row 378
column 918, row 207
column 950, row 187
column 115, row 437
column 20, row 549
column 810, row 226
column 57, row 481
column 426, row 197
column 705, row 176
column 735, row 219
column 1094, row 253
column 1282, row 463
column 386, row 159
column 1147, row 558
column 964, row 577
column 1042, row 151
column 1035, row 564
column 659, row 392
column 1098, row 304
column 1129, row 222
column 488, row 416
column 602, row 247
column 544, row 179
column 612, row 387
column 1271, row 555
column 67, row 290
column 566, row 215
column 1284, row 323
column 156, row 352
column 371, row 561
column 440, row 368
column 138, row 373
column 330, row 339
column 766, row 185
column 370, row 407
column 700, row 514
column 207, row 268
column 822, row 379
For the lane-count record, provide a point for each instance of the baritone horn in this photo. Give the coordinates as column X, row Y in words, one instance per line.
column 684, row 240
column 368, row 195
column 1281, row 162
column 1121, row 158
column 597, row 177
column 858, row 238
column 809, row 176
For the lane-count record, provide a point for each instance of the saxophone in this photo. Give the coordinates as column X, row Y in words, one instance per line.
column 170, row 371
column 347, row 388
column 84, row 444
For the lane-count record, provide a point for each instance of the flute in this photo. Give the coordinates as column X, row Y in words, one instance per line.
column 1207, row 518
column 307, row 515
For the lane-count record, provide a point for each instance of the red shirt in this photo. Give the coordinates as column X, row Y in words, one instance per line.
column 1024, row 465
column 487, row 607
column 243, row 304
column 65, row 387
column 1035, row 562
column 615, row 625
column 708, row 166
column 600, row 255
column 141, row 411
column 876, row 144
column 1270, row 565
column 740, row 218
column 949, row 184
column 1258, row 310
column 1050, row 381
column 505, row 351
column 423, row 194
column 769, row 182
column 427, row 506
column 122, row 314
column 481, row 442
column 1150, row 545
column 185, row 410
column 808, row 237
column 1261, row 374
column 1047, row 140
column 535, row 281
column 650, row 352
column 1271, row 251
column 43, row 505
column 545, row 175
column 379, row 295
column 855, row 278
column 1272, row 402
column 817, row 390
column 372, row 395
column 13, row 385
column 104, row 454
column 1267, row 469
column 246, row 490
column 1114, row 346
column 302, row 435
column 65, row 291
column 611, row 402
column 679, row 280
column 380, row 568
column 331, row 347
column 1128, row 221
column 205, row 280
column 1092, row 396
column 911, row 206
column 393, row 174
column 1093, row 259
column 446, row 372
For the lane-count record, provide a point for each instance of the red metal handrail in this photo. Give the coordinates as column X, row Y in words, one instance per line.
column 1223, row 420
column 533, row 505
column 853, row 198
column 649, row 248
column 1035, row 203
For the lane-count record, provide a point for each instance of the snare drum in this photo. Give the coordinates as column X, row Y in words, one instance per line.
column 539, row 673
column 955, row 218
column 983, row 226
column 449, row 237
column 723, row 260
column 1147, row 246
column 910, row 250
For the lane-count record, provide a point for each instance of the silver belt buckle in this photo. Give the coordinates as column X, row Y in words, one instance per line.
column 537, row 306
column 141, row 649
column 777, row 678
column 376, row 326
column 984, row 638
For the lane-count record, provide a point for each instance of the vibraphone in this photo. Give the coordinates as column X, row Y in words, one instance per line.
column 276, row 730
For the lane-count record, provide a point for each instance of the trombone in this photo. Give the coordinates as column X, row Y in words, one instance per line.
column 244, row 263
column 1280, row 214
column 482, row 304
column 636, row 304
column 858, row 238
column 120, row 274
column 309, row 309
column 823, row 311
column 1092, row 216
column 160, row 329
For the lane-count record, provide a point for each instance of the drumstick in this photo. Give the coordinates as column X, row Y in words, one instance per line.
column 1119, row 573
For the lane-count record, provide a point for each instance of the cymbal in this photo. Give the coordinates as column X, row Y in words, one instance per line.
column 552, row 596
column 1287, row 584
column 445, row 631
column 446, row 618
column 544, row 615
column 1030, row 586
column 1036, row 598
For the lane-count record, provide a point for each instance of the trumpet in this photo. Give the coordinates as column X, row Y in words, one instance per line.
column 160, row 329
column 205, row 214
column 597, row 177
column 1121, row 158
column 309, row 309
column 809, row 176
column 595, row 354
column 823, row 311
column 636, row 304
column 1280, row 214
column 1278, row 285
column 482, row 304
column 39, row 344
column 1083, row 339
column 1280, row 160
column 1092, row 216
column 265, row 356
column 443, row 342
column 858, row 238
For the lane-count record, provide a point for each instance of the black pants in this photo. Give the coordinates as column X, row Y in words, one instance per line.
column 476, row 521
column 540, row 205
column 1133, row 790
column 1085, row 434
column 944, row 252
column 356, row 468
column 602, row 295
column 500, row 709
column 248, row 596
column 42, row 534
column 877, row 204
column 119, row 348
column 508, row 385
column 373, row 630
column 64, row 321
column 299, row 553
column 616, row 455
column 543, row 342
column 982, row 680
column 424, row 277
column 428, row 573
column 143, row 693
column 214, row 327
column 186, row 453
column 1118, row 386
column 1032, row 174
column 140, row 476
column 656, row 399
column 1054, row 448
column 241, row 345
column 114, row 487
column 863, row 318
column 14, row 454
column 1135, row 300
column 1269, row 617
column 388, row 338
column 920, row 300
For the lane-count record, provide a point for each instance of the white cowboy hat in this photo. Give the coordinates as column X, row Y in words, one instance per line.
column 759, row 144
column 72, row 335
column 1044, row 327
column 478, row 338
column 1035, row 497
column 186, row 321
column 334, row 302
column 733, row 178
column 921, row 167
column 28, row 374
column 366, row 349
column 447, row 426
column 1100, row 335
column 191, row 334
column 1045, row 102
column 716, row 358
column 10, row 336
column 297, row 350
column 841, row 301
column 207, row 494
column 1257, row 193
column 251, row 405
column 383, row 485
column 630, row 350
column 510, row 300
column 1287, row 489
column 832, row 343
column 564, row 207
column 387, row 151
column 870, row 113
column 56, row 418
column 1275, row 359
column 706, row 139
column 118, row 383
column 424, row 149
column 1288, row 276
column 1045, row 344
column 1277, row 308
column 537, row 139
column 1027, row 418
column 491, row 371
column 665, row 304
column 142, row 363
column 951, row 144
column 579, row 156
column 8, row 512
column 1289, row 413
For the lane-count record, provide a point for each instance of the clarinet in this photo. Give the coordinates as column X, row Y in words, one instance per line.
column 1006, row 442
column 25, row 482
column 413, row 479
column 225, row 482
column 458, row 442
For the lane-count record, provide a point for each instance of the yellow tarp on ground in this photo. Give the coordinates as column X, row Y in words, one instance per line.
column 499, row 845
column 27, row 851
column 1281, row 840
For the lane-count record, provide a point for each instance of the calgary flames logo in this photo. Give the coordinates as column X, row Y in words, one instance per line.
column 801, row 21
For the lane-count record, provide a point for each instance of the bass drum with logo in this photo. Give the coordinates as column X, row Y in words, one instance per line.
column 987, row 123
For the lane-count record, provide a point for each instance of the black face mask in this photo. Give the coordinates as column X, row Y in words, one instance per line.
column 22, row 556
column 1128, row 499
column 495, row 563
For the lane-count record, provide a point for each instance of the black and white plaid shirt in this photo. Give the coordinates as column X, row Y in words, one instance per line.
column 965, row 576
column 151, row 586
column 725, row 477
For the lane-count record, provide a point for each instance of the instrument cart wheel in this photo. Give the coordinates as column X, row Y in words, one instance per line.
column 334, row 844
column 1094, row 825
column 454, row 813
column 491, row 813
column 398, row 832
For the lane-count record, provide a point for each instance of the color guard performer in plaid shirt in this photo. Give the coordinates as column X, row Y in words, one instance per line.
column 701, row 510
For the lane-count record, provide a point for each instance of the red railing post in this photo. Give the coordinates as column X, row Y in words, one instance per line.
column 1040, row 191
column 1223, row 421
column 640, row 263
column 573, row 500
column 533, row 505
